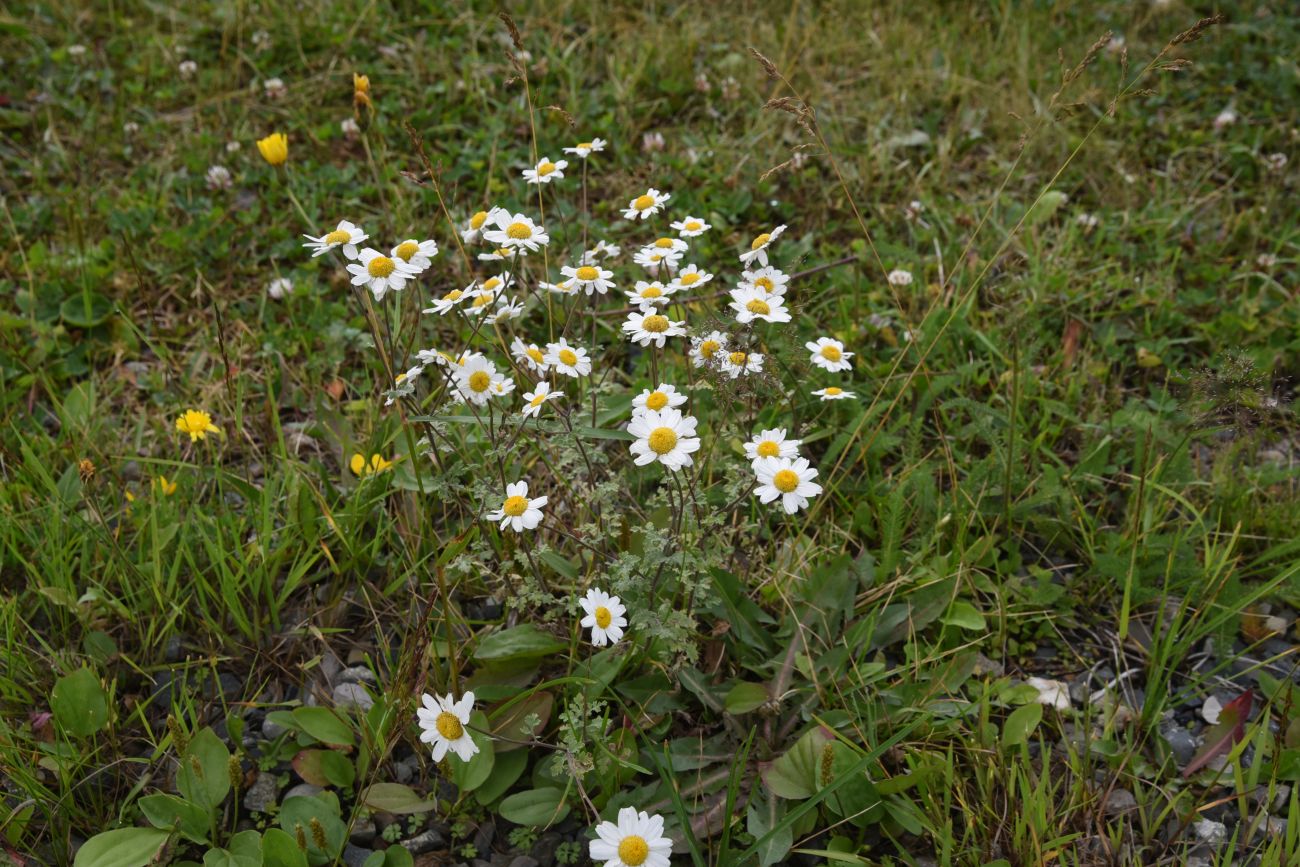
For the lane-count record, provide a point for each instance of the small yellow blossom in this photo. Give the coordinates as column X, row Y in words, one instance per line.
column 376, row 465
column 165, row 487
column 274, row 148
column 197, row 423
column 360, row 83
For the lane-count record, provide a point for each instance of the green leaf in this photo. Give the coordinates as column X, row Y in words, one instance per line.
column 172, row 813
column 325, row 768
column 1021, row 724
column 762, row 816
column 964, row 615
column 125, row 847
column 745, row 697
column 519, row 642
column 794, row 774
column 324, row 725
column 86, row 311
column 204, row 774
column 395, row 798
column 79, row 703
column 279, row 849
column 468, row 776
column 535, row 807
column 1047, row 205
column 300, row 811
column 507, row 768
column 393, row 856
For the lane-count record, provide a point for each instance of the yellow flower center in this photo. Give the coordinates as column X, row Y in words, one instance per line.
column 503, row 252
column 338, row 236
column 633, row 850
column 483, row 299
column 832, row 391
column 831, row 353
column 765, row 283
column 545, row 169
column 448, row 725
column 381, row 266
column 584, row 145
column 785, row 481
column 399, row 378
column 491, row 283
column 662, row 440
column 453, row 295
column 476, row 222
column 535, row 354
column 568, row 356
column 760, row 241
column 652, row 292
column 693, row 225
column 537, row 401
column 479, row 380
column 406, row 250
column 519, row 231
column 586, row 272
column 688, row 279
column 515, row 506
column 603, row 617
column 656, row 400
column 664, row 243
column 758, row 307
column 738, row 358
column 709, row 348
column 640, row 203
column 768, row 449
column 655, row 323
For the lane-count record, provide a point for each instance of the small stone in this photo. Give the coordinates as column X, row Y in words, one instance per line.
column 1275, row 827
column 986, row 666
column 355, row 856
column 272, row 730
column 425, row 842
column 1207, row 831
column 1053, row 693
column 1182, row 743
column 260, row 797
column 1119, row 802
column 1211, row 709
column 363, row 832
column 173, row 651
column 330, row 666
column 544, row 849
column 348, row 696
column 405, row 769
column 525, row 861
column 303, row 790
column 357, row 674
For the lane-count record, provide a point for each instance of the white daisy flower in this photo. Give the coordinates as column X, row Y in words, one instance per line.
column 704, row 350
column 444, row 305
column 474, row 380
column 771, row 280
column 502, row 386
column 691, row 227
column 664, row 395
column 690, row 277
column 534, row 399
column 279, row 287
column 738, row 364
column 515, row 231
column 347, row 236
column 417, row 254
column 507, row 309
column 546, row 171
column 652, row 292
column 646, row 205
column 480, row 302
column 789, row 479
column 833, row 392
column 589, row 278
column 651, row 258
column 501, row 253
column 829, row 354
column 444, row 723
column 751, row 304
column 665, row 436
column 477, row 223
column 569, row 360
column 603, row 249
column 899, row 277
column 587, row 148
column 771, row 444
column 649, row 326
column 604, row 617
column 518, row 512
column 675, row 245
column 564, row 288
column 529, row 355
column 636, row 840
column 758, row 248
column 380, row 273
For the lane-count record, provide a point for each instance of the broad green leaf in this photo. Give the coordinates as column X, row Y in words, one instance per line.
column 794, row 774
column 325, row 768
column 324, row 725
column 280, row 849
column 745, row 697
column 173, row 813
column 396, row 798
column 299, row 811
column 468, row 776
column 507, row 768
column 1021, row 723
column 125, row 847
column 964, row 615
column 510, row 722
column 535, row 807
column 764, row 814
column 79, row 703
column 204, row 773
column 519, row 642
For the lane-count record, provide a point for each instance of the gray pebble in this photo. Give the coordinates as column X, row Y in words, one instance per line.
column 348, row 696
column 260, row 797
column 357, row 674
column 1119, row 802
column 425, row 842
column 363, row 832
column 355, row 856
column 1210, row 832
column 272, row 730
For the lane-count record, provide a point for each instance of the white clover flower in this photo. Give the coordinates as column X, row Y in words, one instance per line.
column 646, row 205
column 737, row 364
column 279, row 288
column 1225, row 118
column 751, row 304
column 604, row 617
column 347, row 235
column 78, row 50
column 648, row 326
column 829, row 354
column 771, row 280
column 1088, row 221
column 380, row 273
column 834, row 392
column 691, row 277
column 706, row 350
column 529, row 355
column 587, row 148
column 691, row 227
column 187, row 68
column 664, row 396
column 899, row 277
column 758, row 248
column 130, row 128
column 569, row 360
column 771, row 444
column 789, row 479
column 350, row 128
column 515, row 231
column 533, row 400
column 475, row 381
column 636, row 840
column 274, row 88
column 417, row 254
column 219, row 178
column 589, row 278
column 652, row 292
column 444, row 722
column 665, row 436
column 475, row 225
column 518, row 512
column 546, row 171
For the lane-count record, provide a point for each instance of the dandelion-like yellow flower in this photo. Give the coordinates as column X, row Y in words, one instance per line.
column 167, row 488
column 197, row 423
column 360, row 467
column 360, row 83
column 274, row 148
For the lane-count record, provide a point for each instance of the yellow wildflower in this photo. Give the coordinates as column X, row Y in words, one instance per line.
column 197, row 423
column 274, row 148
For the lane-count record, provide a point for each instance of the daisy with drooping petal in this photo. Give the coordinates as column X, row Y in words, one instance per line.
column 564, row 288
column 652, row 292
column 569, row 360
column 789, row 479
column 737, row 364
column 197, row 423
column 529, row 355
column 649, row 326
column 515, row 232
column 587, row 148
column 636, row 840
column 533, row 400
column 771, row 444
column 758, row 248
column 665, row 436
column 646, row 205
column 546, row 171
column 771, row 280
column 380, row 273
column 477, row 223
column 691, row 227
column 347, row 236
column 691, row 277
column 444, row 723
column 589, row 278
column 480, row 302
column 751, row 304
column 707, row 350
column 829, row 354
column 604, row 617
column 444, row 305
column 417, row 254
column 664, row 395
column 518, row 512
column 833, row 392
column 501, row 253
